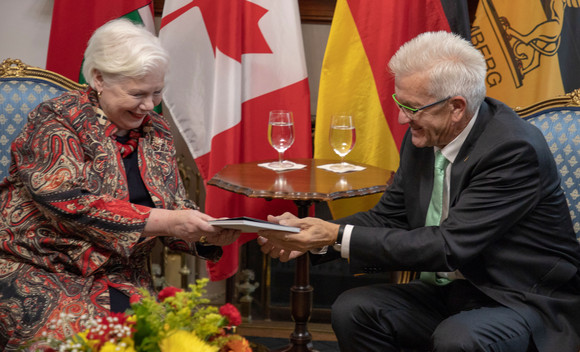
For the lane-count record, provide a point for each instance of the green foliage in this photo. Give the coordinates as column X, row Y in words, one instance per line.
column 186, row 310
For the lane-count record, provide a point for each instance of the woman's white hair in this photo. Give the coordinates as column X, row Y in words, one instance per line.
column 121, row 49
column 454, row 67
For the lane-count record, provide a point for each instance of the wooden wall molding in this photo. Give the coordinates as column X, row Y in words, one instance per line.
column 311, row 11
column 316, row 11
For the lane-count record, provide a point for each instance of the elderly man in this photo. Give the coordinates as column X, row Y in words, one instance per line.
column 475, row 206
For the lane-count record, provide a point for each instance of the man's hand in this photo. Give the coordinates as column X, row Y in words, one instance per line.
column 315, row 233
column 283, row 255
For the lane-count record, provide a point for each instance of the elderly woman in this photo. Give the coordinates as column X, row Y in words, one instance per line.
column 93, row 182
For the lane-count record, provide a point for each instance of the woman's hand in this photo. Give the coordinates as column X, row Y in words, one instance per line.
column 222, row 238
column 189, row 225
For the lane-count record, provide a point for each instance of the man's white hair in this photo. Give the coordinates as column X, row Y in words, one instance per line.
column 453, row 66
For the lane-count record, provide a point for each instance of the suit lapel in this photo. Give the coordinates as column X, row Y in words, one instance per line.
column 462, row 160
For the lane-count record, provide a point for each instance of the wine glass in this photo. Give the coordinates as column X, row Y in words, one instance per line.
column 281, row 135
column 342, row 138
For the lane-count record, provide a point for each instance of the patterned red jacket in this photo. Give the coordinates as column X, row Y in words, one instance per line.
column 68, row 230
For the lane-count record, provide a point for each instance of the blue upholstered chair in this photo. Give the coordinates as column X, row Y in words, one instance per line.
column 559, row 120
column 22, row 88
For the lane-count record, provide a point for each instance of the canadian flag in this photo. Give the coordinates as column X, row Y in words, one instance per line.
column 232, row 61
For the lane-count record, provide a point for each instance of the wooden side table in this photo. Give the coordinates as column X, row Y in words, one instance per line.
column 304, row 187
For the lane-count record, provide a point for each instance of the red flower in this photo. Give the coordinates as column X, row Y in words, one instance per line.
column 169, row 291
column 107, row 326
column 232, row 313
column 135, row 299
column 122, row 317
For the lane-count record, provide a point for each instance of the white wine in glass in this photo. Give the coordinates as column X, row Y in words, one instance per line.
column 342, row 138
column 281, row 135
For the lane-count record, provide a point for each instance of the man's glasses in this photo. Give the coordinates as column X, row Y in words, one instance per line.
column 410, row 112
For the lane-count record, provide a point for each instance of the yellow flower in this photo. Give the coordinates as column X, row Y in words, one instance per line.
column 183, row 341
column 83, row 335
column 126, row 346
column 132, row 319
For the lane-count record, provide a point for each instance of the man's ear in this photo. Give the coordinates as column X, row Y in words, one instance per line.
column 458, row 108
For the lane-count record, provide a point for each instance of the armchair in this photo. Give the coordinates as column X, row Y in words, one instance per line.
column 23, row 87
column 559, row 120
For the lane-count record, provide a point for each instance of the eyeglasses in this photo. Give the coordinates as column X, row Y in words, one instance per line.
column 410, row 112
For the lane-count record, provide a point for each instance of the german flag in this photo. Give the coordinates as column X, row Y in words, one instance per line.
column 354, row 79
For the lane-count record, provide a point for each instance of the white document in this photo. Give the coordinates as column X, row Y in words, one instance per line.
column 251, row 225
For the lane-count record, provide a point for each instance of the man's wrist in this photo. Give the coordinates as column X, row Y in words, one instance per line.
column 338, row 243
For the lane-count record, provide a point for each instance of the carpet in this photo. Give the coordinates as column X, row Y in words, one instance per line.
column 265, row 344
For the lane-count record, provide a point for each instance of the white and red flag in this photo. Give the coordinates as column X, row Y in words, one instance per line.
column 232, row 61
column 73, row 23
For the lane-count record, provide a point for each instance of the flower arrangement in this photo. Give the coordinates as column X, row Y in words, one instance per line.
column 175, row 321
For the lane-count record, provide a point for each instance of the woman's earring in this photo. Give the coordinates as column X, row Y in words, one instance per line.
column 99, row 94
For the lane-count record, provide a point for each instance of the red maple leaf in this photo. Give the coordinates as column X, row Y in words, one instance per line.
column 232, row 25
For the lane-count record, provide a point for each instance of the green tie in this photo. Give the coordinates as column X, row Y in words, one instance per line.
column 435, row 208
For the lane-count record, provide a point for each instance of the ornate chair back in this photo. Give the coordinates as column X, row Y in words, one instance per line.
column 559, row 120
column 22, row 88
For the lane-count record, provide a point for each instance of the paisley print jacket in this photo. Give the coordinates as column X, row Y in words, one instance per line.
column 68, row 230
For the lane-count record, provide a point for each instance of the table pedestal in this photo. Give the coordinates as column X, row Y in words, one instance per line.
column 301, row 296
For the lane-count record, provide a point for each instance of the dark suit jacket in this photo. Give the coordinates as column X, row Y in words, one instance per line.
column 508, row 230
